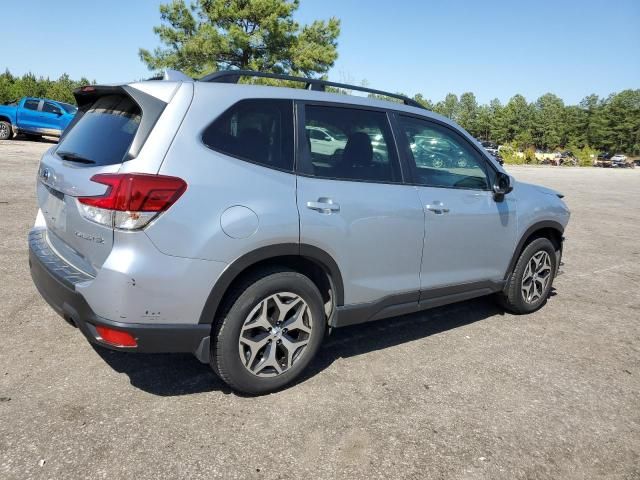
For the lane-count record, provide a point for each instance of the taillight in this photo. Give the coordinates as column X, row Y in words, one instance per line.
column 132, row 200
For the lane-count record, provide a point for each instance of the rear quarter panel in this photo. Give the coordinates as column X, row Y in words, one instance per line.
column 260, row 201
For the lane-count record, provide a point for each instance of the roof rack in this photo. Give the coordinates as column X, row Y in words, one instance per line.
column 233, row 76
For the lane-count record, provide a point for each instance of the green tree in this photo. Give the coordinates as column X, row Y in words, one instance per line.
column 261, row 35
column 496, row 112
column 483, row 123
column 549, row 121
column 448, row 107
column 425, row 102
column 575, row 126
column 468, row 113
column 622, row 114
column 514, row 122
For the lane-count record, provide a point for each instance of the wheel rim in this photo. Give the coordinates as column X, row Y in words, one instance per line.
column 536, row 277
column 438, row 163
column 275, row 335
column 4, row 130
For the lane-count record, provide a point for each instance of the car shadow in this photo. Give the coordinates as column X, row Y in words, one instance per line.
column 51, row 140
column 181, row 374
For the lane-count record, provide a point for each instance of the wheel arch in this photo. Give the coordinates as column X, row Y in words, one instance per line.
column 307, row 259
column 544, row 229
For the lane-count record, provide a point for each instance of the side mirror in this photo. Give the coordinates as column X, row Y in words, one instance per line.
column 501, row 186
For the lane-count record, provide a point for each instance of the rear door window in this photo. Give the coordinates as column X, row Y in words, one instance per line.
column 51, row 108
column 350, row 144
column 258, row 131
column 104, row 133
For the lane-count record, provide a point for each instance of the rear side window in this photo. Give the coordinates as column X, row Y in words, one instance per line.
column 258, row 131
column 350, row 144
column 51, row 108
column 31, row 104
column 104, row 133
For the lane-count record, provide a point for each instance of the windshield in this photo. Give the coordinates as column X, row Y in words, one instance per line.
column 68, row 107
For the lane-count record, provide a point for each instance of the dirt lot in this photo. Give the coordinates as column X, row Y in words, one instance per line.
column 464, row 391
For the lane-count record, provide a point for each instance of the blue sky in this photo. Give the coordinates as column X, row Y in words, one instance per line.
column 492, row 48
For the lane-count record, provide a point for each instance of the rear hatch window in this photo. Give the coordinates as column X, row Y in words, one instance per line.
column 103, row 133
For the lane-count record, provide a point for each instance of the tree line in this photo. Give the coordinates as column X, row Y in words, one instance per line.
column 607, row 124
column 14, row 87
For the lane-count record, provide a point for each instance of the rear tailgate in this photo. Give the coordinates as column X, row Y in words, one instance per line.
column 110, row 129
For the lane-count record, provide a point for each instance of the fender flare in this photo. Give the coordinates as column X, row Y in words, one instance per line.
column 235, row 268
column 544, row 224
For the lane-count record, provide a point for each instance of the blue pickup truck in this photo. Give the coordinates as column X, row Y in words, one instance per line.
column 35, row 117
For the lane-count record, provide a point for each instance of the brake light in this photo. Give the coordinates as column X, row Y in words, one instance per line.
column 132, row 200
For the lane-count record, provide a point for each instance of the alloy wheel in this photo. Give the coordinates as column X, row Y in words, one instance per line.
column 275, row 334
column 536, row 277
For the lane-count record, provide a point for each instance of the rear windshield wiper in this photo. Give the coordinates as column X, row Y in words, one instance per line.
column 74, row 157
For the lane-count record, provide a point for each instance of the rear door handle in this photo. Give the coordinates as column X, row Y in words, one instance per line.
column 324, row 205
column 438, row 208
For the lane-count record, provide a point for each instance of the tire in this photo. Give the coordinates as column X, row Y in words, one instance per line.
column 6, row 132
column 514, row 297
column 252, row 311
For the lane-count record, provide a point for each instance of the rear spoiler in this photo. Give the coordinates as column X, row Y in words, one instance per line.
column 150, row 106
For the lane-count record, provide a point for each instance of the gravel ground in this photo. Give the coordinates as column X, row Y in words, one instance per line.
column 464, row 391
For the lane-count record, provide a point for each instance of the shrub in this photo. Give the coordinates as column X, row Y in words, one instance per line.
column 510, row 154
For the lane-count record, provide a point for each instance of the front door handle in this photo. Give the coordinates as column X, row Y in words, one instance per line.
column 324, row 205
column 438, row 208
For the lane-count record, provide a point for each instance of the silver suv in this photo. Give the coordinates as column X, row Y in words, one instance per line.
column 242, row 222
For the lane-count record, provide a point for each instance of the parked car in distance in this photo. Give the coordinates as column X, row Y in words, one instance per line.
column 195, row 216
column 603, row 160
column 494, row 150
column 490, row 147
column 621, row 161
column 565, row 158
column 35, row 117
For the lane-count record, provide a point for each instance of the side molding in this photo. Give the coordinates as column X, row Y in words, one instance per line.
column 267, row 253
column 410, row 302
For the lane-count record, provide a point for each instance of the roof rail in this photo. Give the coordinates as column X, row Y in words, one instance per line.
column 233, row 76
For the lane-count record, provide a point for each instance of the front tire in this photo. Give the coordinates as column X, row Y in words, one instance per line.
column 270, row 328
column 529, row 285
column 6, row 131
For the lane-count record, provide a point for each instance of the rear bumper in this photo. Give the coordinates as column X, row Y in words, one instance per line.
column 56, row 281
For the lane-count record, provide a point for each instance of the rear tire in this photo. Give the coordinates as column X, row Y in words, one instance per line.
column 268, row 330
column 529, row 285
column 6, row 131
